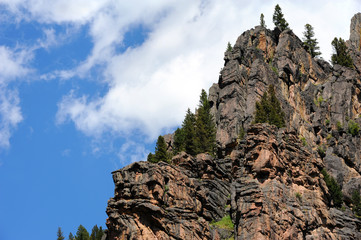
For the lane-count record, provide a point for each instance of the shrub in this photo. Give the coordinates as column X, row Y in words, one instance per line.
column 327, row 122
column 303, row 140
column 321, row 150
column 298, row 196
column 224, row 223
column 353, row 128
column 241, row 133
column 356, row 203
column 334, row 189
column 339, row 126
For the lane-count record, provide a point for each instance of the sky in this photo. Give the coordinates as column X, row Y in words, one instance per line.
column 86, row 87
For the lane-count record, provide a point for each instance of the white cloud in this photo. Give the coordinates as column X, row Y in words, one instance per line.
column 10, row 115
column 12, row 67
column 151, row 85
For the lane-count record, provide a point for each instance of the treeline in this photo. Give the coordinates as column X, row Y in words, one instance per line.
column 197, row 134
column 82, row 234
column 341, row 54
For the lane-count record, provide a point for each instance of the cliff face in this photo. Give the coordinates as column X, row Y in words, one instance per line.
column 269, row 182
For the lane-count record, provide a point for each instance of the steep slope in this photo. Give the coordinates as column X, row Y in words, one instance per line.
column 269, row 182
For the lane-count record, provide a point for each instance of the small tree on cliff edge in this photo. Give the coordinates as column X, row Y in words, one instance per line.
column 60, row 234
column 268, row 109
column 205, row 126
column 310, row 42
column 278, row 19
column 161, row 153
column 341, row 55
column 262, row 22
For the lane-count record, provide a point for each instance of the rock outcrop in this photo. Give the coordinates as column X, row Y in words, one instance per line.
column 268, row 182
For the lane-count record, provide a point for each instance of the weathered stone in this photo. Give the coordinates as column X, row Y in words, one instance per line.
column 270, row 180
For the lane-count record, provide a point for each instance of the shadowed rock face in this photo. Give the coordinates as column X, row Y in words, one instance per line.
column 269, row 182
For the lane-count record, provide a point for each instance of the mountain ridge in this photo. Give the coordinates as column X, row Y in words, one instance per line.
column 270, row 181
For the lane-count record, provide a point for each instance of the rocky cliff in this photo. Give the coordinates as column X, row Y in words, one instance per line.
column 267, row 183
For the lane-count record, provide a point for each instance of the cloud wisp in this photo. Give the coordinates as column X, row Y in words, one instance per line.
column 150, row 85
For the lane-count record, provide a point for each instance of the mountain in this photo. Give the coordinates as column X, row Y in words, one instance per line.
column 268, row 183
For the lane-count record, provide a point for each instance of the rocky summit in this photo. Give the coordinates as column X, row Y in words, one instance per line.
column 265, row 183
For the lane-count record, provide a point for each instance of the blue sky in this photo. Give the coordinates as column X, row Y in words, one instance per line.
column 86, row 86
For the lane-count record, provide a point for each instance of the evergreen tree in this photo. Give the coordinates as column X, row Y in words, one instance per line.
column 97, row 233
column 310, row 42
column 60, row 234
column 278, row 19
column 268, row 109
column 341, row 55
column 205, row 126
column 356, row 203
column 178, row 144
column 262, row 22
column 161, row 150
column 151, row 158
column 82, row 233
column 334, row 189
column 71, row 237
column 189, row 132
column 229, row 47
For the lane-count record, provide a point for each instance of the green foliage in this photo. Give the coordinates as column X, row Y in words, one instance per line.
column 298, row 196
column 229, row 47
column 353, row 128
column 241, row 133
column 224, row 223
column 339, row 126
column 334, row 189
column 97, row 233
column 59, row 234
column 321, row 150
column 329, row 136
column 189, row 130
column 262, row 22
column 205, row 126
column 268, row 109
column 327, row 122
column 178, row 143
column 341, row 55
column 82, row 233
column 71, row 237
column 356, row 203
column 310, row 42
column 198, row 132
column 303, row 140
column 161, row 153
column 278, row 19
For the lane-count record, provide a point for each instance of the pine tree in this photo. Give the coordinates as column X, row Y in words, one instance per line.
column 189, row 131
column 205, row 126
column 310, row 42
column 229, row 47
column 97, row 233
column 60, row 234
column 71, row 237
column 341, row 55
column 178, row 144
column 151, row 158
column 334, row 189
column 356, row 203
column 262, row 22
column 82, row 233
column 161, row 150
column 278, row 19
column 269, row 110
